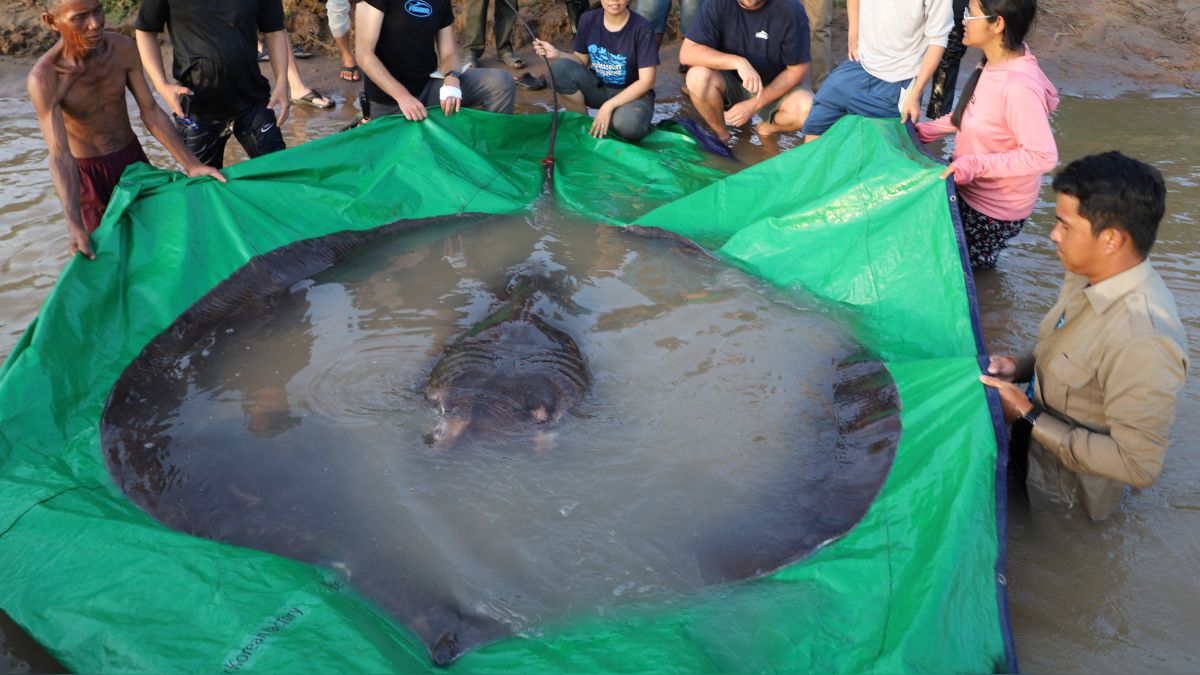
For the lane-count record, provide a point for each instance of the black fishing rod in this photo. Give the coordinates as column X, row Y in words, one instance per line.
column 548, row 162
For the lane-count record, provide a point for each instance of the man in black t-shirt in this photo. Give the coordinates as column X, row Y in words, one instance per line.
column 747, row 57
column 400, row 43
column 215, row 63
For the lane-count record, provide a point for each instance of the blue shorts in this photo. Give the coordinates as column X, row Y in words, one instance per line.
column 851, row 90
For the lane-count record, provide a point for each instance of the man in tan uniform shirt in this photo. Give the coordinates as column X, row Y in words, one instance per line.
column 1111, row 355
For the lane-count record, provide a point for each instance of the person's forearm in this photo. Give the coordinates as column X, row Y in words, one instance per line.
column 279, row 52
column 448, row 61
column 379, row 74
column 696, row 54
column 935, row 129
column 1136, row 462
column 1140, row 386
column 852, row 18
column 933, row 56
column 632, row 93
column 1019, row 162
column 64, row 173
column 151, row 57
column 581, row 59
column 782, row 84
column 447, row 49
column 160, row 126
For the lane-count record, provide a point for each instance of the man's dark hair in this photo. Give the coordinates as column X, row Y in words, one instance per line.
column 1117, row 191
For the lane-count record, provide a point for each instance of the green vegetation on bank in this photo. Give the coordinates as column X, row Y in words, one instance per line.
column 119, row 9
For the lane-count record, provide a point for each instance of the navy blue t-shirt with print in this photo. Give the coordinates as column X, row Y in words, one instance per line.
column 616, row 57
column 772, row 37
column 407, row 44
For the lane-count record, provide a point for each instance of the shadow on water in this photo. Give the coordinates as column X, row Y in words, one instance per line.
column 286, row 412
column 20, row 653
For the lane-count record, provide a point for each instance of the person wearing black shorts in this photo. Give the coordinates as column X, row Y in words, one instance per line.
column 748, row 57
column 220, row 90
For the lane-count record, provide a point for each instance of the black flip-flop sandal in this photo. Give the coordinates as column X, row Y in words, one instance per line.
column 527, row 81
column 311, row 99
column 354, row 72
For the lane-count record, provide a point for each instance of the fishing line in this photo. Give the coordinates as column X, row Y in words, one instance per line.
column 548, row 162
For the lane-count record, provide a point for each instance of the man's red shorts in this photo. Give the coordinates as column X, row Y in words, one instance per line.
column 98, row 177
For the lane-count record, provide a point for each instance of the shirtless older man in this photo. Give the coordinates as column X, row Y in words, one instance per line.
column 78, row 90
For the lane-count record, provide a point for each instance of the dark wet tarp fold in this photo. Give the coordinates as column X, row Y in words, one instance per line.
column 860, row 219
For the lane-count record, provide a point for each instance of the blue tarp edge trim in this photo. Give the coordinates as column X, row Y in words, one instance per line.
column 993, row 398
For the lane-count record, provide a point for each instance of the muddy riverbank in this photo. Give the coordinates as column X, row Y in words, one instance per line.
column 1088, row 48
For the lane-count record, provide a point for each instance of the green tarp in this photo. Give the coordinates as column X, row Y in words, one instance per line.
column 860, row 219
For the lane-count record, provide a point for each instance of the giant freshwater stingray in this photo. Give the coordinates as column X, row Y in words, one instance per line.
column 521, row 373
column 512, row 372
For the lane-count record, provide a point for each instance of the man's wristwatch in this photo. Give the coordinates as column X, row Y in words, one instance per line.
column 1031, row 416
column 454, row 73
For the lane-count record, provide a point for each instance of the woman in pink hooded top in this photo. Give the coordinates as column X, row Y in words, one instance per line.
column 1004, row 141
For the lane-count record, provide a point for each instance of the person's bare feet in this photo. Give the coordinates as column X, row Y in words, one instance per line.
column 766, row 128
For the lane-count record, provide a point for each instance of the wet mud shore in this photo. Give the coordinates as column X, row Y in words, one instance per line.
column 1094, row 49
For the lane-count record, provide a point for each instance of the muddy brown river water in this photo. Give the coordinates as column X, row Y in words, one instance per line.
column 1121, row 596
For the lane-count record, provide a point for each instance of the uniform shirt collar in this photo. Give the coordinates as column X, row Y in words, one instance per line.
column 1105, row 293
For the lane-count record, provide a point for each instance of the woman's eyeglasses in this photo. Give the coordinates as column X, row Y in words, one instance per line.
column 967, row 15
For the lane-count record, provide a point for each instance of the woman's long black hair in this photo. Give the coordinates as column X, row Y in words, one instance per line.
column 1018, row 17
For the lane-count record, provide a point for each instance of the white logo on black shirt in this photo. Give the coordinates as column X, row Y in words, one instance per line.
column 762, row 35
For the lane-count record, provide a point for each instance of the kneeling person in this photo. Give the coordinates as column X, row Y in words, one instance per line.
column 613, row 69
column 400, row 42
column 747, row 57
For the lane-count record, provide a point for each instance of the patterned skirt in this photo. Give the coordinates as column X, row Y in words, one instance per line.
column 986, row 236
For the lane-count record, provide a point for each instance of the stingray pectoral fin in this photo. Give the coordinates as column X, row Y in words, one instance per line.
column 446, row 649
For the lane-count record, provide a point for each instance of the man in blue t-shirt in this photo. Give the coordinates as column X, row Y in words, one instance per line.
column 613, row 70
column 400, row 42
column 748, row 57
